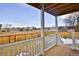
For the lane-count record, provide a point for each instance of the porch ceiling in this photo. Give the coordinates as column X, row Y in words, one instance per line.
column 58, row 9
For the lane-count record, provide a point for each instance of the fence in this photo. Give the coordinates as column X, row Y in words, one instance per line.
column 4, row 39
column 17, row 37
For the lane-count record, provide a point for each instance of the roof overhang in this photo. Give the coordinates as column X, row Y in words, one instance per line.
column 58, row 9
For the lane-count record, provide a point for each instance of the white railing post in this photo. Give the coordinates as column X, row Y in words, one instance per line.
column 33, row 53
column 36, row 45
column 28, row 48
column 2, row 51
column 8, row 51
column 42, row 28
column 31, row 48
column 13, row 50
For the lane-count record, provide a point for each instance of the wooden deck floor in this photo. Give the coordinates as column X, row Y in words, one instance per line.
column 61, row 51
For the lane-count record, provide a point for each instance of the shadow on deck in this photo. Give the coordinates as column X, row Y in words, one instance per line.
column 61, row 51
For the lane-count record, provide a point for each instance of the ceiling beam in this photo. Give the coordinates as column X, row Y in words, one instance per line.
column 60, row 6
column 68, row 7
column 68, row 11
column 50, row 5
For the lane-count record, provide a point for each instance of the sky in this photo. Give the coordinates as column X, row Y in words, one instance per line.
column 19, row 14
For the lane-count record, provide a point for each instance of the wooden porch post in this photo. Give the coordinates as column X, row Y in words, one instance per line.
column 42, row 28
column 74, row 43
column 73, row 36
column 56, row 25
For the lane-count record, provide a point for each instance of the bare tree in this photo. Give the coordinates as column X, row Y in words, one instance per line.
column 0, row 26
column 72, row 19
column 33, row 28
column 8, row 26
column 68, row 22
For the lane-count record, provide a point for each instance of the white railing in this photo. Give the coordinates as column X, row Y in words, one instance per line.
column 29, row 47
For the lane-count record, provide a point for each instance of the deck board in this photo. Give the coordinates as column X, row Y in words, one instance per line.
column 61, row 51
